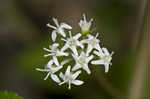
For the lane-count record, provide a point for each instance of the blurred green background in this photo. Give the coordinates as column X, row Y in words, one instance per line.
column 123, row 26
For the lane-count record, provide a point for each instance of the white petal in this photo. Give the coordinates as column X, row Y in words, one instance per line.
column 66, row 26
column 96, row 62
column 47, row 75
column 86, row 68
column 79, row 44
column 80, row 23
column 61, row 53
column 55, row 60
column 82, row 54
column 69, row 87
column 91, row 21
column 77, row 36
column 106, row 68
column 46, row 55
column 55, row 78
column 53, row 27
column 84, row 17
column 65, row 47
column 97, row 35
column 61, row 31
column 56, row 69
column 76, row 67
column 70, row 34
column 98, row 53
column 89, row 49
column 54, row 46
column 74, row 50
column 46, row 49
column 89, row 58
column 105, row 51
column 76, row 74
column 75, row 57
column 42, row 70
column 68, row 70
column 50, row 63
column 90, row 37
column 66, row 54
column 61, row 75
column 97, row 46
column 54, row 35
column 63, row 82
column 56, row 22
column 63, row 39
column 77, row 82
column 84, row 41
column 65, row 61
column 109, row 59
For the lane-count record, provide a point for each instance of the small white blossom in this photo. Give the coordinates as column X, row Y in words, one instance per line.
column 72, row 43
column 70, row 77
column 105, row 58
column 82, row 62
column 54, row 52
column 93, row 43
column 85, row 26
column 51, row 68
column 58, row 29
column 78, row 50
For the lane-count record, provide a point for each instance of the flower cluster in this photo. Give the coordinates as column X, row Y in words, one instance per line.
column 74, row 53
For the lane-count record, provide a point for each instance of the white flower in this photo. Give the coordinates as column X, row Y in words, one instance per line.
column 51, row 69
column 54, row 52
column 105, row 58
column 93, row 43
column 85, row 26
column 79, row 51
column 82, row 62
column 58, row 29
column 70, row 77
column 72, row 42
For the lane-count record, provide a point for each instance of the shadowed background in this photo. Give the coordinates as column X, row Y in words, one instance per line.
column 123, row 26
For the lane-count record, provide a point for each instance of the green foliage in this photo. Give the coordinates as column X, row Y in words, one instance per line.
column 9, row 95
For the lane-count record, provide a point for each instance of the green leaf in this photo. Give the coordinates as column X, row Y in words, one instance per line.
column 9, row 95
